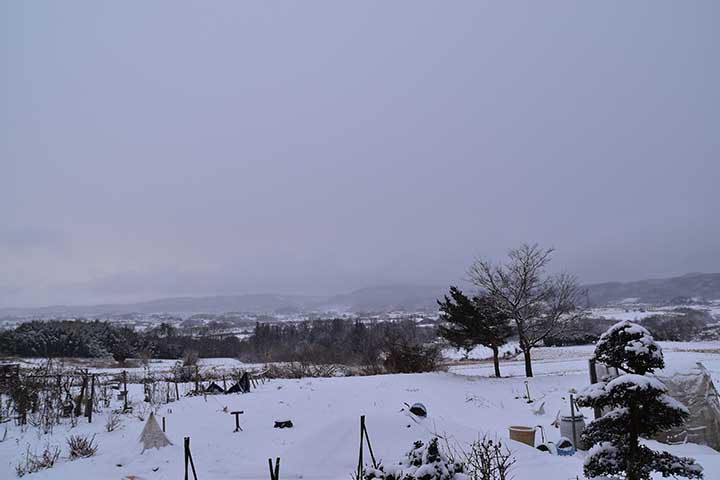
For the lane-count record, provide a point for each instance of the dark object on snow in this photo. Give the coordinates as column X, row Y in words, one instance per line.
column 548, row 447
column 283, row 424
column 237, row 420
column 418, row 409
column 245, row 382
column 214, row 388
column 243, row 386
column 234, row 389
column 67, row 407
column 9, row 372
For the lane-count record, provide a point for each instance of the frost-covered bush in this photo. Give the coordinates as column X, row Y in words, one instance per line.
column 81, row 446
column 636, row 405
column 32, row 462
column 113, row 422
column 423, row 462
column 190, row 357
column 488, row 459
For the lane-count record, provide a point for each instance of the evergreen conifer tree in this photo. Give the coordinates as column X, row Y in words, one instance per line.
column 636, row 405
column 474, row 321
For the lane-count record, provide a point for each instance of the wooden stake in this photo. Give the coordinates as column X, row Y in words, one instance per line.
column 597, row 412
column 360, row 455
column 188, row 457
column 89, row 408
column 274, row 475
column 125, row 397
column 527, row 389
column 187, row 449
column 367, row 440
column 163, row 424
column 572, row 415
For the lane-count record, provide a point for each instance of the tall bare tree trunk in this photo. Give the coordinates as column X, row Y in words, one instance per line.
column 528, row 362
column 496, row 360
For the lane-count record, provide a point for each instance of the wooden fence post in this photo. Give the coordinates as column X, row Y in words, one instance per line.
column 367, row 440
column 125, row 399
column 79, row 404
column 89, row 408
column 360, row 467
column 188, row 457
column 593, row 379
column 187, row 449
column 572, row 415
column 364, row 439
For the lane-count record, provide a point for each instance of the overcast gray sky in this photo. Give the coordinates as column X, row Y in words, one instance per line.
column 170, row 148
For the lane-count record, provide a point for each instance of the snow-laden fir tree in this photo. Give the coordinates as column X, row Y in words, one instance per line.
column 636, row 405
column 423, row 462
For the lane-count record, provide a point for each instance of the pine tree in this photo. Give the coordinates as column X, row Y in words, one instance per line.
column 637, row 405
column 476, row 321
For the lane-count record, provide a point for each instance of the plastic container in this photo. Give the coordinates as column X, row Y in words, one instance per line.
column 566, row 427
column 523, row 434
column 565, row 447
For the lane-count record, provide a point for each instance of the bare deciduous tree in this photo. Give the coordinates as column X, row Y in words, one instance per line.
column 539, row 304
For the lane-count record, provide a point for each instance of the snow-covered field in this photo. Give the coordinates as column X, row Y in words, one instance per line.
column 462, row 404
column 637, row 312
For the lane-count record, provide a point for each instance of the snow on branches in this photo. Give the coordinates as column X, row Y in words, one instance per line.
column 637, row 405
column 629, row 347
column 423, row 462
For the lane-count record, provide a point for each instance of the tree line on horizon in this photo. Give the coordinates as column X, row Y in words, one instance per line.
column 376, row 346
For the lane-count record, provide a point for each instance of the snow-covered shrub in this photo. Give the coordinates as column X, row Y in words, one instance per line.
column 182, row 373
column 113, row 422
column 407, row 357
column 33, row 462
column 302, row 370
column 423, row 462
column 488, row 459
column 190, row 357
column 142, row 410
column 81, row 446
column 636, row 405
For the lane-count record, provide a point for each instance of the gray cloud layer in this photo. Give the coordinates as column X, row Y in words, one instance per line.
column 159, row 148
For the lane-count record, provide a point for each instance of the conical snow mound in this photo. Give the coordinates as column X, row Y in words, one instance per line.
column 152, row 435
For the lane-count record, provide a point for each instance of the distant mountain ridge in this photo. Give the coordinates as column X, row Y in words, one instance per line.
column 658, row 290
column 373, row 299
column 377, row 299
column 250, row 303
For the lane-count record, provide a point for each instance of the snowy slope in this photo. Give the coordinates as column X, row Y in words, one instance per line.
column 462, row 404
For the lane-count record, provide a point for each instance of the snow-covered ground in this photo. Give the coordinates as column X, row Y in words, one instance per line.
column 637, row 312
column 462, row 404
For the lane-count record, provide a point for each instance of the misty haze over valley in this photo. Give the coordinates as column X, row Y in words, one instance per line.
column 407, row 240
